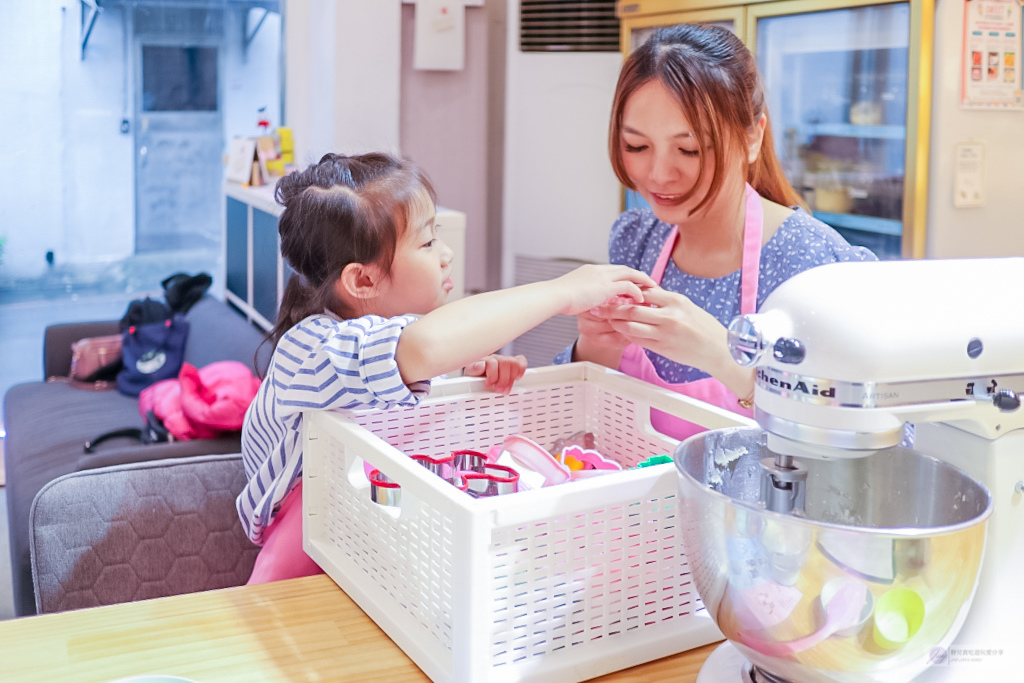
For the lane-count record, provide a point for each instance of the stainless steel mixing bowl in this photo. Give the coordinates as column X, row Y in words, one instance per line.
column 897, row 537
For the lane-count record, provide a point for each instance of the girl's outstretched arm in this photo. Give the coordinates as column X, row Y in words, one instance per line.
column 463, row 331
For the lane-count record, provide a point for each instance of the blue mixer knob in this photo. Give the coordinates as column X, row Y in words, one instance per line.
column 790, row 351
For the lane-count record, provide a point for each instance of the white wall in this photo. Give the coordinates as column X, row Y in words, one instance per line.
column 445, row 128
column 561, row 196
column 97, row 173
column 343, row 76
column 250, row 81
column 62, row 183
column 309, row 77
column 996, row 229
column 67, row 183
column 30, row 219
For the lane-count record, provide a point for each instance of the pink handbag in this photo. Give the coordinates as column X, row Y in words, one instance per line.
column 96, row 358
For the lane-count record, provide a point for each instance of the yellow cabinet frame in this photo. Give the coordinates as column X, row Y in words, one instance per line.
column 630, row 23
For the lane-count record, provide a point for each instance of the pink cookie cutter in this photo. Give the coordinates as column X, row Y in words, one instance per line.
column 535, row 457
column 595, row 463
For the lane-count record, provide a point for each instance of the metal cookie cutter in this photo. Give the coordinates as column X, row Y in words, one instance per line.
column 494, row 480
column 442, row 467
column 383, row 491
column 468, row 461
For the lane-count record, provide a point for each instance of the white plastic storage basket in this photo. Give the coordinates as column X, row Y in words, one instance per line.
column 563, row 583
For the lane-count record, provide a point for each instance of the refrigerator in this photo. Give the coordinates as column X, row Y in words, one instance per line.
column 849, row 95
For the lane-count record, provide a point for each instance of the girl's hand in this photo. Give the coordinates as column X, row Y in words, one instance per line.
column 673, row 326
column 599, row 341
column 592, row 285
column 501, row 372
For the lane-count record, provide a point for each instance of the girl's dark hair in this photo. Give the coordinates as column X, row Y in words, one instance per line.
column 714, row 78
column 340, row 210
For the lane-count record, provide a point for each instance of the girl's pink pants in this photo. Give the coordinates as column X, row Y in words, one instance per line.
column 282, row 556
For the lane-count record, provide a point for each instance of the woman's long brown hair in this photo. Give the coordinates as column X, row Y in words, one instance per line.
column 714, row 78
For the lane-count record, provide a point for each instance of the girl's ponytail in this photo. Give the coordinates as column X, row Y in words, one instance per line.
column 298, row 302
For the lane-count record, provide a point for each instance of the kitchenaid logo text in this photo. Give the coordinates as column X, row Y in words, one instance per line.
column 880, row 396
column 799, row 385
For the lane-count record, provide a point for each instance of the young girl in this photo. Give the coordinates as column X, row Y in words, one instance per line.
column 360, row 234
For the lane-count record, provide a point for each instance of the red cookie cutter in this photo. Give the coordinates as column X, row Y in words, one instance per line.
column 442, row 467
column 448, row 467
column 383, row 491
column 467, row 460
column 494, row 480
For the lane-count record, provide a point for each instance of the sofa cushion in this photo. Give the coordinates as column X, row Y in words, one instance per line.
column 139, row 531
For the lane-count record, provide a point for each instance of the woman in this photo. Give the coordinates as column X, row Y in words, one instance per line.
column 690, row 133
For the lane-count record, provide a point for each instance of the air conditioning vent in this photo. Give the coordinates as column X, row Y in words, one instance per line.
column 581, row 26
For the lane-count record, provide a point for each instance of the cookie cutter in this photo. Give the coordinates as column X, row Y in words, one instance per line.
column 591, row 459
column 494, row 480
column 383, row 490
column 448, row 467
column 592, row 463
column 442, row 467
column 469, row 460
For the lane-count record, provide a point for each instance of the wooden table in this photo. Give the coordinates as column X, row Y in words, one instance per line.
column 299, row 630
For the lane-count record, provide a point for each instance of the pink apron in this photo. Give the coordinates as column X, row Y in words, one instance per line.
column 636, row 363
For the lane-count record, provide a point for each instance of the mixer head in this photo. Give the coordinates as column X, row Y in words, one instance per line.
column 847, row 353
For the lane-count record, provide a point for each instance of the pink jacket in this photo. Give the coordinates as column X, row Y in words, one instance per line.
column 200, row 404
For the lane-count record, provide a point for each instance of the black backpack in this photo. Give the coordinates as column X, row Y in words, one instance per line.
column 154, row 333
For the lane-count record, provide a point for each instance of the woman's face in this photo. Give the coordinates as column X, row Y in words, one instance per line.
column 661, row 155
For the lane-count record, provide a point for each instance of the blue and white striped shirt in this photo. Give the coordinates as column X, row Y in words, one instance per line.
column 320, row 364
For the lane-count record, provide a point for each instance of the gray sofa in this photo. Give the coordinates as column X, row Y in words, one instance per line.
column 48, row 422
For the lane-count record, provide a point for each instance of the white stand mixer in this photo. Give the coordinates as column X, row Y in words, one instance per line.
column 846, row 354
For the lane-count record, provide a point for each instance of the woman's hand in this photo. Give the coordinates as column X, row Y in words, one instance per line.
column 592, row 285
column 500, row 372
column 674, row 327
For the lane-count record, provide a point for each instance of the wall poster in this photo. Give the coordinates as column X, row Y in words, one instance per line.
column 991, row 76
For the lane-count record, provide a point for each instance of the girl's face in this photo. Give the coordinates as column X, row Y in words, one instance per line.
column 420, row 278
column 661, row 155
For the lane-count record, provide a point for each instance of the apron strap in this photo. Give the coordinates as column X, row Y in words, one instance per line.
column 753, row 227
column 665, row 255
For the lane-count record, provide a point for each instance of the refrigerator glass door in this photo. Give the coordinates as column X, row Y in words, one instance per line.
column 837, row 94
